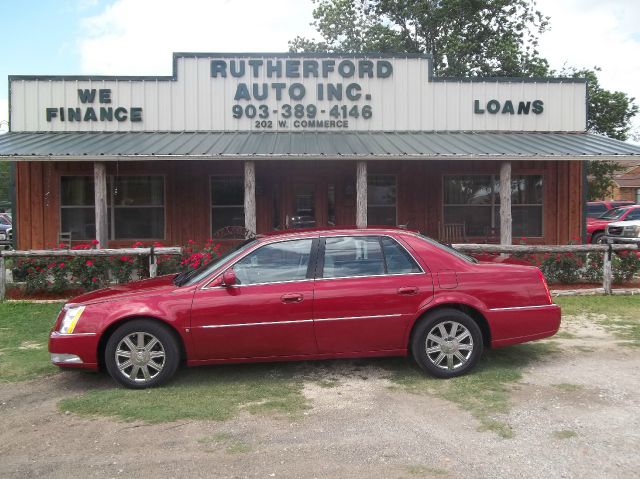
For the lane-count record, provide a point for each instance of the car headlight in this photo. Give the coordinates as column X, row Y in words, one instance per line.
column 71, row 317
column 632, row 230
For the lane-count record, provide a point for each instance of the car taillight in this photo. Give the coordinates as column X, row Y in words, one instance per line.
column 546, row 288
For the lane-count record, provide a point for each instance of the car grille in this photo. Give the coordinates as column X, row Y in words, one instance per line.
column 614, row 230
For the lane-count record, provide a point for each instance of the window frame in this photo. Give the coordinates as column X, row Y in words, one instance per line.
column 319, row 273
column 395, row 203
column 111, row 208
column 495, row 206
column 212, row 206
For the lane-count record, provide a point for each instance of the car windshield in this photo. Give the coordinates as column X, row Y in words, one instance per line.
column 613, row 214
column 191, row 277
column 448, row 249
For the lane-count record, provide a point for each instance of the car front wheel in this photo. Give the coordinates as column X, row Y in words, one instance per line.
column 447, row 343
column 141, row 354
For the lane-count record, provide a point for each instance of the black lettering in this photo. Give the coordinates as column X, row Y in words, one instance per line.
column 320, row 91
column 350, row 91
column 278, row 87
column 87, row 96
column 292, row 68
column 218, row 67
column 310, row 68
column 135, row 114
column 74, row 114
column 384, row 69
column 274, row 68
column 334, row 91
column 296, row 91
column 255, row 67
column 476, row 107
column 538, row 107
column 236, row 69
column 493, row 106
column 120, row 113
column 90, row 115
column 508, row 107
column 523, row 107
column 105, row 95
column 327, row 66
column 242, row 92
column 365, row 67
column 282, row 123
column 257, row 95
column 51, row 113
column 106, row 114
column 346, row 68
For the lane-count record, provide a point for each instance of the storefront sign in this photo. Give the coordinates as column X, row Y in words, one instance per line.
column 289, row 92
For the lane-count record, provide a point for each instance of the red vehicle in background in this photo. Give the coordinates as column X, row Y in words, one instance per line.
column 596, row 209
column 596, row 226
column 301, row 295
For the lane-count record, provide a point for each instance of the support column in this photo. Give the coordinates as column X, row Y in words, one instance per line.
column 505, row 203
column 250, row 197
column 361, row 194
column 100, row 189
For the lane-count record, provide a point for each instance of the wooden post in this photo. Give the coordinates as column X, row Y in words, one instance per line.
column 607, row 271
column 361, row 194
column 3, row 278
column 100, row 188
column 153, row 263
column 505, row 203
column 250, row 197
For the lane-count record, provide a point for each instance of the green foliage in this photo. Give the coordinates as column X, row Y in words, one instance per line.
column 601, row 174
column 24, row 331
column 469, row 37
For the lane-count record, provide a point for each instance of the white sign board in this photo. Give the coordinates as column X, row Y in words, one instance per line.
column 269, row 92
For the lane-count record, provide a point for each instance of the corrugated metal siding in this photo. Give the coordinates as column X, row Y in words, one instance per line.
column 372, row 145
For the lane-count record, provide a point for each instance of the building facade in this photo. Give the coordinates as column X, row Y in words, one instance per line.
column 234, row 144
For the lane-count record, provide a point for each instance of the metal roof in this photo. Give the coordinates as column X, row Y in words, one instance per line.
column 313, row 145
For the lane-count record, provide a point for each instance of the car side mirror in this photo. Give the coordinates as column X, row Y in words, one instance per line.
column 229, row 277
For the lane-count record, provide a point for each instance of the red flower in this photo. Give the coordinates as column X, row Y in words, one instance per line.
column 89, row 263
column 95, row 242
column 61, row 265
column 94, row 280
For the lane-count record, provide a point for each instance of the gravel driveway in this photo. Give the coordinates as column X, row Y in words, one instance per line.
column 574, row 414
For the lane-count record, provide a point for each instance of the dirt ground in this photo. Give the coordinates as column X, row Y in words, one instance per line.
column 589, row 426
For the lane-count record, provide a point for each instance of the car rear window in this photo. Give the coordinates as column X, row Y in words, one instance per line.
column 596, row 210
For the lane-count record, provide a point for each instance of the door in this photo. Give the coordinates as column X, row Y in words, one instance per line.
column 268, row 313
column 368, row 290
column 303, row 209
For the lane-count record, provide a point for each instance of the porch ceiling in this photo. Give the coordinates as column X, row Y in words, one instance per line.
column 79, row 146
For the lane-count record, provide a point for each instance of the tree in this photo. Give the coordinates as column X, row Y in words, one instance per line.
column 609, row 114
column 465, row 37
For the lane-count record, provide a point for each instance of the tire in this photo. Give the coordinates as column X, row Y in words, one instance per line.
column 156, row 354
column 457, row 354
column 597, row 238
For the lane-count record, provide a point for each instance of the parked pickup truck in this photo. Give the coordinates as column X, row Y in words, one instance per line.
column 596, row 226
column 626, row 232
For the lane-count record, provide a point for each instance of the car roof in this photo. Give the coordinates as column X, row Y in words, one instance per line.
column 313, row 232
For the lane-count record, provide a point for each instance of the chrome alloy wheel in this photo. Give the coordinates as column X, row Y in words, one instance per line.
column 449, row 345
column 140, row 357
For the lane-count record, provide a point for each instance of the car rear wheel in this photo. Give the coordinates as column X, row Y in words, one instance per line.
column 447, row 343
column 141, row 354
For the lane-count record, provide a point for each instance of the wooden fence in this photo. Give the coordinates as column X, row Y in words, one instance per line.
column 152, row 253
column 606, row 249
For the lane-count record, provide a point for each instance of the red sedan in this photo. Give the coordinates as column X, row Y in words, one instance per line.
column 309, row 295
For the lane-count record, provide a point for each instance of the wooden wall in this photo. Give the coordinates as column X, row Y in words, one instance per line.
column 187, row 194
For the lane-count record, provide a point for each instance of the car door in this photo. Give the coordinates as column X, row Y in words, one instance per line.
column 367, row 290
column 268, row 313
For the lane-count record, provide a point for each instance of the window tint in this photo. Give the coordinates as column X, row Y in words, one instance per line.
column 397, row 258
column 596, row 210
column 633, row 215
column 275, row 263
column 352, row 256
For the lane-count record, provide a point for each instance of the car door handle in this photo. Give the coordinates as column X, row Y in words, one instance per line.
column 291, row 298
column 409, row 290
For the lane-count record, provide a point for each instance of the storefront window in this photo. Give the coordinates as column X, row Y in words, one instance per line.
column 227, row 202
column 381, row 200
column 135, row 207
column 474, row 200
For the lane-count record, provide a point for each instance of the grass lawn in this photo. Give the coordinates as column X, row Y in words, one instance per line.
column 24, row 332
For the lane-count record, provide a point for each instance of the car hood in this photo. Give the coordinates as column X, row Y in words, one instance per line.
column 626, row 223
column 153, row 286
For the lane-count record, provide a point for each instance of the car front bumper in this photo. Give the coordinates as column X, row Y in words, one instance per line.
column 74, row 350
column 622, row 239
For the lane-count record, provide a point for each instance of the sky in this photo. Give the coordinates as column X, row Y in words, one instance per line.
column 137, row 37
